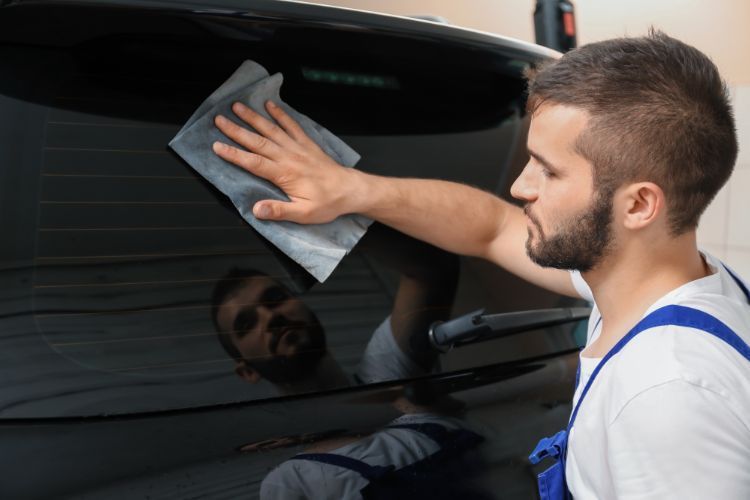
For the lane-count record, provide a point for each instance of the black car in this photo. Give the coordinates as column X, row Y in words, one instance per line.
column 116, row 379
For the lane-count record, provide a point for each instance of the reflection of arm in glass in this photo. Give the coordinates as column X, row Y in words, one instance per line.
column 427, row 284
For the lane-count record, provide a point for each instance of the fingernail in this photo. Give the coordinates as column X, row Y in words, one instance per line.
column 262, row 211
column 220, row 120
column 238, row 106
column 272, row 104
column 218, row 146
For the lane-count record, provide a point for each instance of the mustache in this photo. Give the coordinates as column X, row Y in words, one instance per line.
column 532, row 218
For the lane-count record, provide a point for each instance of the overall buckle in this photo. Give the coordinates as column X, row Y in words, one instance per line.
column 549, row 447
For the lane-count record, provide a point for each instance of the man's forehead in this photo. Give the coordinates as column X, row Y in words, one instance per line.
column 248, row 293
column 554, row 130
column 559, row 120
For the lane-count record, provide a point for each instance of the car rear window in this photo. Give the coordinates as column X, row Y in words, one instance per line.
column 114, row 248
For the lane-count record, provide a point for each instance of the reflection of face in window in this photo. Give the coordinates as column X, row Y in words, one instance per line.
column 267, row 330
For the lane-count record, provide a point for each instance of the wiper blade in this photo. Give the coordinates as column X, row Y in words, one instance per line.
column 478, row 327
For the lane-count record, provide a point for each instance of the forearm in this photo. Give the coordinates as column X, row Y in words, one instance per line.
column 452, row 216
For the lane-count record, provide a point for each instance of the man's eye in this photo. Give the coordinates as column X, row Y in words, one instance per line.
column 547, row 173
column 245, row 321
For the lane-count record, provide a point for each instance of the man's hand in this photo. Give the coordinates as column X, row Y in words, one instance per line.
column 284, row 155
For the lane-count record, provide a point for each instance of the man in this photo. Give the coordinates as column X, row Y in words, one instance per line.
column 629, row 141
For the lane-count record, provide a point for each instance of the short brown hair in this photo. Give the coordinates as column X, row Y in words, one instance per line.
column 659, row 112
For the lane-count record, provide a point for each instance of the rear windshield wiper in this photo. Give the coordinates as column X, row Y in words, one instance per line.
column 477, row 327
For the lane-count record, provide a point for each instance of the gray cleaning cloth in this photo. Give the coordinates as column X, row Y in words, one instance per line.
column 316, row 247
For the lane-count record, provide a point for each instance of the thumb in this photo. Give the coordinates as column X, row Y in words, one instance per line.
column 277, row 210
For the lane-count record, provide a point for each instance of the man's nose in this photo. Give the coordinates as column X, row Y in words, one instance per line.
column 265, row 315
column 524, row 188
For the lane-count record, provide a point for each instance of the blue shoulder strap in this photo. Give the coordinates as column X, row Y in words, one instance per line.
column 739, row 282
column 692, row 318
column 669, row 315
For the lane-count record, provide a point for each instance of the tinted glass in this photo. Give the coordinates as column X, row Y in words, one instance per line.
column 114, row 249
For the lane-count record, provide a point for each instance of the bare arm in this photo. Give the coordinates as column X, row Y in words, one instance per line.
column 452, row 216
column 427, row 285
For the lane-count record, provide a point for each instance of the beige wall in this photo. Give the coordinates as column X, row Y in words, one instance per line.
column 505, row 17
column 718, row 27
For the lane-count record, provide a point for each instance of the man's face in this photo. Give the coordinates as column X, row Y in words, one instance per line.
column 569, row 223
column 276, row 334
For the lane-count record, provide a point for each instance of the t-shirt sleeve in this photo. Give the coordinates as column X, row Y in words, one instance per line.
column 678, row 440
column 581, row 286
column 309, row 480
column 384, row 360
column 278, row 485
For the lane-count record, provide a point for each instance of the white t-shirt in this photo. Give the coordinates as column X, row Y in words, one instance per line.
column 384, row 360
column 305, row 479
column 669, row 415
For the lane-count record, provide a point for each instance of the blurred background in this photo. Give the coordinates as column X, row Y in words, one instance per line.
column 717, row 28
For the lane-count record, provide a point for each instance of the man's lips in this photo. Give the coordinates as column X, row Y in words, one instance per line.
column 530, row 218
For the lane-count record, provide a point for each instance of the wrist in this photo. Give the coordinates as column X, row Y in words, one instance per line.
column 355, row 187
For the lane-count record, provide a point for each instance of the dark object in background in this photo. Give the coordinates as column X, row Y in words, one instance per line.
column 554, row 24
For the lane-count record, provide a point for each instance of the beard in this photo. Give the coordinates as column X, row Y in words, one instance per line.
column 580, row 242
column 310, row 347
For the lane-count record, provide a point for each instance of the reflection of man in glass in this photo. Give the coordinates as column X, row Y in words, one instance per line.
column 272, row 334
column 268, row 331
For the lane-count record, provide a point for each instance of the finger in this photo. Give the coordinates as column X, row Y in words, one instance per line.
column 281, row 210
column 253, row 163
column 252, row 141
column 266, row 127
column 289, row 124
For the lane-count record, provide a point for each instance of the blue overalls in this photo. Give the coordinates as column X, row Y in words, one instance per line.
column 552, row 485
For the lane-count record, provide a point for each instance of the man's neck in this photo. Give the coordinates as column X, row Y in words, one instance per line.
column 627, row 283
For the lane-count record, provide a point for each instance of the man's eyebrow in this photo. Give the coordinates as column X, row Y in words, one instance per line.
column 541, row 159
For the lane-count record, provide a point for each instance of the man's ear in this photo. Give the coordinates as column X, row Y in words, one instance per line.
column 644, row 204
column 246, row 373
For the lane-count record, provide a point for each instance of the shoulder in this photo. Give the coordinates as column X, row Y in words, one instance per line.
column 710, row 349
column 297, row 478
column 678, row 440
column 286, row 480
column 383, row 359
column 673, row 358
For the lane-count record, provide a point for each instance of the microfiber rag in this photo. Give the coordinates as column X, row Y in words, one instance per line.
column 316, row 247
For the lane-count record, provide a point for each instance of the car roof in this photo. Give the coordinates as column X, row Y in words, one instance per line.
column 322, row 14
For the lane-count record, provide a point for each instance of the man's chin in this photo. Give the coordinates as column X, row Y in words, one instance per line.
column 547, row 261
column 532, row 252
